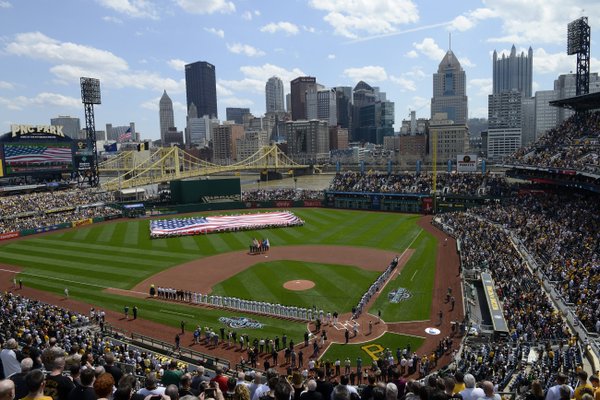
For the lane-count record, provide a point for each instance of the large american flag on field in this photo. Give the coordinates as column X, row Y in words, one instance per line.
column 36, row 154
column 222, row 223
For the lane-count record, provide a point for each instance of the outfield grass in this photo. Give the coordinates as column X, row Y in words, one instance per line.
column 418, row 276
column 121, row 254
column 337, row 287
column 370, row 351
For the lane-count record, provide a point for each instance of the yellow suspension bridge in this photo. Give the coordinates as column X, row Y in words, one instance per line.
column 165, row 164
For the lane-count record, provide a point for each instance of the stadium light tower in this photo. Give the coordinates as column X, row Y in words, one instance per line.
column 578, row 42
column 90, row 95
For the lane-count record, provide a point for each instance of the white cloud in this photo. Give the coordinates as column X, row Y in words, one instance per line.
column 112, row 19
column 419, row 102
column 331, row 56
column 309, row 29
column 405, row 84
column 349, row 17
column 222, row 91
column 412, row 54
column 132, row 8
column 71, row 61
column 218, row 32
column 416, row 72
column 5, row 4
column 430, row 49
column 236, row 102
column 548, row 63
column 470, row 19
column 177, row 64
column 44, row 99
column 250, row 51
column 38, row 46
column 206, row 6
column 482, row 86
column 255, row 78
column 369, row 73
column 6, row 85
column 247, row 15
column 461, row 23
column 283, row 26
column 539, row 21
column 466, row 62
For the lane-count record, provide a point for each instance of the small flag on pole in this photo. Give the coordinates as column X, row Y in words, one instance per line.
column 123, row 137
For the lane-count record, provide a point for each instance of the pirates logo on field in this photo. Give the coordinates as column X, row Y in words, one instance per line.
column 240, row 322
column 398, row 295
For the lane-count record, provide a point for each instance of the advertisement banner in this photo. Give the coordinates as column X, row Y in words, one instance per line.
column 312, row 203
column 466, row 163
column 284, row 203
column 427, row 205
column 82, row 222
column 9, row 235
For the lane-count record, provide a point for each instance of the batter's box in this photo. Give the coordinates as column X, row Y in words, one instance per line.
column 341, row 326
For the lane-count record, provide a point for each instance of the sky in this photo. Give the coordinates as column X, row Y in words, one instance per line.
column 138, row 48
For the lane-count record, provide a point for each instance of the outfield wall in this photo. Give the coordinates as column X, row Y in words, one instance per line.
column 64, row 225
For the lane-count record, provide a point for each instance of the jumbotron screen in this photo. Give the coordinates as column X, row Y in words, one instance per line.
column 37, row 157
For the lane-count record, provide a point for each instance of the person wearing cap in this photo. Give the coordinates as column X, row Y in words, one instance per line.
column 8, row 355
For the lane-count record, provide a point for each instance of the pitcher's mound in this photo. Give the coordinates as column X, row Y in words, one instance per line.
column 301, row 284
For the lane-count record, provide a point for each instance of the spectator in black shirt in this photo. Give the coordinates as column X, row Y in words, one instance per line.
column 85, row 391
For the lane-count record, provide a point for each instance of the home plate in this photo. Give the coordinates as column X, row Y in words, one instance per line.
column 432, row 331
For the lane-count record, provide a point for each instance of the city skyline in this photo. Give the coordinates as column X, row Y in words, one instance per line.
column 138, row 49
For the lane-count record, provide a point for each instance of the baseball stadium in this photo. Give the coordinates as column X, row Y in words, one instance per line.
column 173, row 271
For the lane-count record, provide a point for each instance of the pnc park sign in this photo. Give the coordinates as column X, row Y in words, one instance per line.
column 21, row 130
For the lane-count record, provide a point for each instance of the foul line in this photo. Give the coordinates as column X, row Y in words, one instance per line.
column 177, row 313
column 67, row 280
column 413, row 277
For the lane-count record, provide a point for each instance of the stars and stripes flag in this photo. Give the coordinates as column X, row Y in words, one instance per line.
column 222, row 223
column 125, row 136
column 38, row 154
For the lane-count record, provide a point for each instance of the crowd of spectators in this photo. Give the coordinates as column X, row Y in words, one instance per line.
column 282, row 194
column 575, row 144
column 561, row 231
column 465, row 184
column 41, row 209
column 562, row 234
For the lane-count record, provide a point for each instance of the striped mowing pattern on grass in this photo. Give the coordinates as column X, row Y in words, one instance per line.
column 337, row 287
column 121, row 254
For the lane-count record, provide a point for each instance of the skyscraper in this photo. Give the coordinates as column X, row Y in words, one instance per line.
column 274, row 95
column 449, row 90
column 201, row 88
column 71, row 126
column 167, row 119
column 298, row 88
column 236, row 114
column 514, row 72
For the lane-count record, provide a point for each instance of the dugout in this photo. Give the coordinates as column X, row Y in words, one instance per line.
column 206, row 190
column 494, row 306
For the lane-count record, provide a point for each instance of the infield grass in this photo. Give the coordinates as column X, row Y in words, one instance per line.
column 121, row 254
column 337, row 287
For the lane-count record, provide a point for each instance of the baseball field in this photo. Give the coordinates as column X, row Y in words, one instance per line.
column 112, row 264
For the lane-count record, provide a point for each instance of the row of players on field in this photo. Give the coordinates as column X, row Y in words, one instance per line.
column 262, row 307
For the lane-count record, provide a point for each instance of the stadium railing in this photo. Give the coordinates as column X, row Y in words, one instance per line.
column 159, row 346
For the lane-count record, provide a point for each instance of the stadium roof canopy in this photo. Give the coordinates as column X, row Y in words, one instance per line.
column 586, row 102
